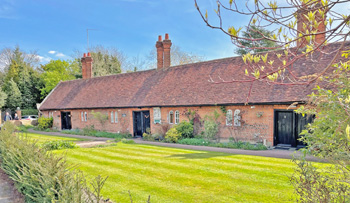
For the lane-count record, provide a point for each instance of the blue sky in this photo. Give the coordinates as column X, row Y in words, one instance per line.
column 132, row 26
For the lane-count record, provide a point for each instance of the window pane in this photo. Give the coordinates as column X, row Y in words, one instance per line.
column 112, row 117
column 85, row 116
column 116, row 116
column 82, row 116
column 177, row 117
column 229, row 117
column 171, row 117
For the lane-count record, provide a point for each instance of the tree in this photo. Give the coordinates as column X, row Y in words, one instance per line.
column 56, row 71
column 3, row 97
column 177, row 55
column 107, row 61
column 14, row 96
column 302, row 29
column 248, row 45
column 319, row 23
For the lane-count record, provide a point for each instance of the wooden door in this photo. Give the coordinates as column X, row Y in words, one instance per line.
column 141, row 122
column 284, row 131
column 66, row 121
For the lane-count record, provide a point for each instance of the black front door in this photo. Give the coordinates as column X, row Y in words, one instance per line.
column 66, row 120
column 142, row 121
column 288, row 126
column 285, row 132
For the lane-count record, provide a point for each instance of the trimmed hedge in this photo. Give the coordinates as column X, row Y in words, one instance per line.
column 232, row 145
column 29, row 112
column 40, row 175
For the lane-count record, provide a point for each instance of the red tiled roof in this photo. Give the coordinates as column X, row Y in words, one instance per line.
column 185, row 85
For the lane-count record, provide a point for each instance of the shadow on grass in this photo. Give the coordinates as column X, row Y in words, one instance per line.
column 204, row 155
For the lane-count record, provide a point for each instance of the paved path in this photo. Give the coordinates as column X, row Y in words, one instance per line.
column 8, row 192
column 284, row 154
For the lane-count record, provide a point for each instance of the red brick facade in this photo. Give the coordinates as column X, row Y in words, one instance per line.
column 257, row 122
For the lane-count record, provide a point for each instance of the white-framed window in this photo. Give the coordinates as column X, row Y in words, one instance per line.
column 112, row 117
column 50, row 114
column 177, row 117
column 229, row 117
column 237, row 118
column 82, row 116
column 171, row 117
column 116, row 117
column 157, row 116
column 85, row 116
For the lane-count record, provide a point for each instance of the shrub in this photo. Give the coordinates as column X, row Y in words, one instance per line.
column 89, row 130
column 56, row 145
column 45, row 123
column 172, row 135
column 185, row 129
column 194, row 141
column 147, row 137
column 211, row 129
column 125, row 141
column 24, row 128
column 100, row 117
column 29, row 112
column 42, row 176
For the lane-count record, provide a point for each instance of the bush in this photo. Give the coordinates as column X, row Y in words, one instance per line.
column 211, row 129
column 194, row 141
column 45, row 123
column 232, row 145
column 42, row 176
column 25, row 112
column 185, row 129
column 125, row 141
column 89, row 130
column 172, row 135
column 147, row 137
column 24, row 128
column 56, row 145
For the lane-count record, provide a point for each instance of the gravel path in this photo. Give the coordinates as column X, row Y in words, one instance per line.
column 8, row 191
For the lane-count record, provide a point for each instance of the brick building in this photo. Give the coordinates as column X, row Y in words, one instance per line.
column 152, row 98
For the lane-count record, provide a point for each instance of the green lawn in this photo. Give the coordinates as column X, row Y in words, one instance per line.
column 178, row 175
column 44, row 138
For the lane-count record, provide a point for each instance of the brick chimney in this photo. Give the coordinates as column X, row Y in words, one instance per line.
column 166, row 45
column 86, row 63
column 160, row 52
column 301, row 19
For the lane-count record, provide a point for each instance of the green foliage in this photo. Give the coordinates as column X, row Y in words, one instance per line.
column 41, row 176
column 172, row 135
column 185, row 129
column 327, row 138
column 100, row 117
column 147, row 137
column 255, row 33
column 126, row 141
column 223, row 109
column 3, row 97
column 57, row 145
column 315, row 184
column 14, row 96
column 45, row 123
column 29, row 112
column 211, row 129
column 89, row 130
column 24, row 128
column 232, row 145
column 56, row 71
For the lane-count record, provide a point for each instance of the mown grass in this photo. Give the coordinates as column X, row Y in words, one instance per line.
column 178, row 175
column 45, row 138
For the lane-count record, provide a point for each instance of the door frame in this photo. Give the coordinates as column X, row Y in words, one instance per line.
column 275, row 125
column 133, row 120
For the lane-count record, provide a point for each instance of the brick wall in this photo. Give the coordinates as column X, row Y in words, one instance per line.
column 257, row 122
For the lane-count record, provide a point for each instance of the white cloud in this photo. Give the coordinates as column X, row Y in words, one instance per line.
column 52, row 52
column 43, row 59
column 60, row 54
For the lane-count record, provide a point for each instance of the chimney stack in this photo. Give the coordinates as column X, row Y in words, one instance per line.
column 301, row 20
column 160, row 51
column 166, row 45
column 163, row 52
column 86, row 63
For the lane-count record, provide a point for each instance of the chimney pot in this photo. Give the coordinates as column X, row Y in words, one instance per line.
column 166, row 45
column 159, row 38
column 84, row 55
column 89, row 55
column 166, row 36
